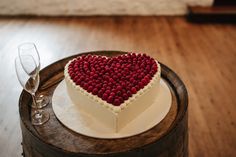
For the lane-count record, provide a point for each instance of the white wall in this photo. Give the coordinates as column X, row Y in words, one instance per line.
column 98, row 7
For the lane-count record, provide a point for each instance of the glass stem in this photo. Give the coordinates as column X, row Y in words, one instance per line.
column 34, row 100
column 38, row 114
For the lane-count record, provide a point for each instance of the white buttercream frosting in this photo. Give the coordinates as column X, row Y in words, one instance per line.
column 114, row 109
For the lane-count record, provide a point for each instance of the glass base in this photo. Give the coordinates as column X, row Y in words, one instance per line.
column 40, row 117
column 42, row 101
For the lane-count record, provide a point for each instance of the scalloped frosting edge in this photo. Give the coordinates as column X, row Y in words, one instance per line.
column 114, row 109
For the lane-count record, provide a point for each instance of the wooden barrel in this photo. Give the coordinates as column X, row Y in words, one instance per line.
column 168, row 138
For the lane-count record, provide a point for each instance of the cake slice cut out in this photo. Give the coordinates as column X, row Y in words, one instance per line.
column 115, row 90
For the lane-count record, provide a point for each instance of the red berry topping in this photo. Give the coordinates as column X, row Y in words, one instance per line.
column 108, row 92
column 77, row 82
column 113, row 79
column 95, row 91
column 125, row 96
column 116, row 102
column 86, row 86
column 110, row 99
column 90, row 88
column 112, row 94
column 119, row 88
column 105, row 96
column 133, row 90
column 100, row 94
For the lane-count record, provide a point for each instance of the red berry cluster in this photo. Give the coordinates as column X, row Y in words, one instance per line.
column 113, row 79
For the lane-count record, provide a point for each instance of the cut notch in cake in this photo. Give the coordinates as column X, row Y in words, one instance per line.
column 115, row 90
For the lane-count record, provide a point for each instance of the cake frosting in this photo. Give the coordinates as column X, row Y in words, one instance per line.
column 124, row 97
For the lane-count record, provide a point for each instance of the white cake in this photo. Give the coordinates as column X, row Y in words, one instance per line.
column 118, row 112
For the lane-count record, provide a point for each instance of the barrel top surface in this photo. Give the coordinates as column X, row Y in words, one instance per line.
column 53, row 134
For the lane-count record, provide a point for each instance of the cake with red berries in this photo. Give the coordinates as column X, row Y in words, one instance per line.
column 116, row 89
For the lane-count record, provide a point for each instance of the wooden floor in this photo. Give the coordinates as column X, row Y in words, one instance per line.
column 203, row 55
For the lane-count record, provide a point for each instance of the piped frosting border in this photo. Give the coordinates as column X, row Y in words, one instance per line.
column 114, row 109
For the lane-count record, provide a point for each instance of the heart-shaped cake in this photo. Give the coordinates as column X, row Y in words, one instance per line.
column 116, row 89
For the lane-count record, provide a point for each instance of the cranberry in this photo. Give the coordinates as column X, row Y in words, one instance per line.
column 90, row 88
column 119, row 88
column 113, row 79
column 110, row 99
column 116, row 102
column 77, row 82
column 133, row 90
column 100, row 93
column 129, row 93
column 112, row 94
column 125, row 96
column 105, row 96
column 95, row 91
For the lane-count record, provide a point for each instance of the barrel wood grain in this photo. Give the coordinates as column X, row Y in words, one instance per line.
column 169, row 138
column 203, row 55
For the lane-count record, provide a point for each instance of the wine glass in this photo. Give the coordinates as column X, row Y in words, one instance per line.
column 26, row 49
column 29, row 80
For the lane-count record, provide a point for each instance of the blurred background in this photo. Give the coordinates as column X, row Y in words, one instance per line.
column 99, row 7
column 195, row 38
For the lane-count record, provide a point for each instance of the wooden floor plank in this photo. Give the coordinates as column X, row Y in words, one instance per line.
column 203, row 55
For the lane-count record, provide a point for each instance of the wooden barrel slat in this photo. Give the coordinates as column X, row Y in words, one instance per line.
column 168, row 138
